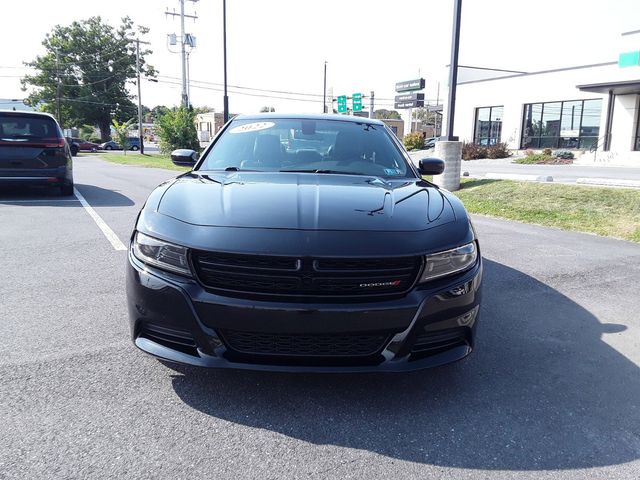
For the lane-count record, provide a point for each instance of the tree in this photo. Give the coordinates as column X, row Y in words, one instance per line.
column 384, row 113
column 122, row 133
column 267, row 109
column 87, row 65
column 425, row 116
column 177, row 129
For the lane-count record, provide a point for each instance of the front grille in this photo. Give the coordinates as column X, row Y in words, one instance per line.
column 309, row 345
column 275, row 275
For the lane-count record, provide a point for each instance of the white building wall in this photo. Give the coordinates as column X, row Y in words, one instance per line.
column 513, row 92
column 625, row 114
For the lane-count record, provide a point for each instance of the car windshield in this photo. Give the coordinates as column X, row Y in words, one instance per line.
column 18, row 127
column 307, row 145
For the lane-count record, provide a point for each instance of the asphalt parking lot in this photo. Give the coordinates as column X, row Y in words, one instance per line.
column 552, row 390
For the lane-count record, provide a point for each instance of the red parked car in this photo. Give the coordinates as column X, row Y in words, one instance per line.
column 85, row 145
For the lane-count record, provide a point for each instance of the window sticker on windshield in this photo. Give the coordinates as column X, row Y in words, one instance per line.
column 252, row 127
column 391, row 171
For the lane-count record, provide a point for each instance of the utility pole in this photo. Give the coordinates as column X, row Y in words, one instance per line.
column 224, row 46
column 183, row 52
column 371, row 105
column 140, row 133
column 324, row 91
column 58, row 89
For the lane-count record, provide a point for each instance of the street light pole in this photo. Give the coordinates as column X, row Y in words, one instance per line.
column 324, row 95
column 140, row 135
column 224, row 46
column 453, row 71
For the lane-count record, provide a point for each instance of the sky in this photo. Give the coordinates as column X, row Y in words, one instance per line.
column 281, row 45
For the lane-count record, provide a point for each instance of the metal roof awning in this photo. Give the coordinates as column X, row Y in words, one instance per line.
column 618, row 88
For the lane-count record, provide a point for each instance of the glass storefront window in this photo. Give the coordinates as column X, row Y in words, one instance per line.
column 570, row 124
column 488, row 125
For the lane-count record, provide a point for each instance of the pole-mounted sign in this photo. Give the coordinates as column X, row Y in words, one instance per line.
column 410, row 85
column 342, row 104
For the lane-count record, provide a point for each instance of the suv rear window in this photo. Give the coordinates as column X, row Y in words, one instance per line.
column 27, row 127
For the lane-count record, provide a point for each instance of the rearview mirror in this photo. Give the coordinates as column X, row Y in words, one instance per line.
column 184, row 157
column 431, row 166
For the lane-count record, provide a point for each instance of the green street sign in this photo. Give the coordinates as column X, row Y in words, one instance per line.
column 342, row 104
column 356, row 100
column 629, row 59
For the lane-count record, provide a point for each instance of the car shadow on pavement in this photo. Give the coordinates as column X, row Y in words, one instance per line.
column 46, row 196
column 542, row 391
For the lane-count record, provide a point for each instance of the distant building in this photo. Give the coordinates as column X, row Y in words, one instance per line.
column 14, row 104
column 595, row 108
column 208, row 125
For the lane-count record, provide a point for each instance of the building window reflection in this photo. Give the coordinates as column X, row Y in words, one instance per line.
column 488, row 125
column 567, row 124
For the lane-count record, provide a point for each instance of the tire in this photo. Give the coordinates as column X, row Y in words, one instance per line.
column 74, row 151
column 66, row 189
column 108, row 147
column 135, row 148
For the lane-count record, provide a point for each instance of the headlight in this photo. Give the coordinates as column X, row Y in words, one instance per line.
column 161, row 254
column 452, row 261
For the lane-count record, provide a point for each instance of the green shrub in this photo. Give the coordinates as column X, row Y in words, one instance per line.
column 546, row 151
column 529, row 152
column 413, row 141
column 565, row 154
column 177, row 129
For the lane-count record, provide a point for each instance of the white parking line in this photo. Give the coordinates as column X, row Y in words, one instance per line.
column 110, row 234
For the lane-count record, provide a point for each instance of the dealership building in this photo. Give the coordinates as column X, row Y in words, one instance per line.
column 594, row 108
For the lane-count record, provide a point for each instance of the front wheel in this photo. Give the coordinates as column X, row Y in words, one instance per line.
column 135, row 148
column 108, row 147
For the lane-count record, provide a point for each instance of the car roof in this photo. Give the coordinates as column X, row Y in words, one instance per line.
column 26, row 113
column 307, row 116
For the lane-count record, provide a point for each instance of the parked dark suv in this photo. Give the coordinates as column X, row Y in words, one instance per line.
column 33, row 150
column 283, row 255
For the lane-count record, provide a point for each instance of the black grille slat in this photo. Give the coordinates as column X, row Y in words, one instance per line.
column 260, row 274
column 309, row 345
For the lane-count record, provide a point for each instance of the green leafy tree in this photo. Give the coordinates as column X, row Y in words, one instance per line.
column 87, row 65
column 121, row 130
column 425, row 116
column 158, row 111
column 413, row 141
column 177, row 129
column 383, row 113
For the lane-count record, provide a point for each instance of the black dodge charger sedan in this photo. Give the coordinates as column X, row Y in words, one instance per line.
column 304, row 243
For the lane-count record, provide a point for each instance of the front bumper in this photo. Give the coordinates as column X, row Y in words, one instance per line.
column 175, row 319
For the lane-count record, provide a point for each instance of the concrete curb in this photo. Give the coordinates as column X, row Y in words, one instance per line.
column 609, row 182
column 519, row 177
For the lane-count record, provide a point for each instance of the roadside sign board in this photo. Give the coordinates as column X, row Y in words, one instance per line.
column 409, row 97
column 356, row 100
column 342, row 104
column 410, row 85
column 409, row 104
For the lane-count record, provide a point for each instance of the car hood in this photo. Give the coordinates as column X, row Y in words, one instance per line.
column 299, row 201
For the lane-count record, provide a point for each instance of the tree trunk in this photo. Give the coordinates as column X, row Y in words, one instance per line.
column 104, row 124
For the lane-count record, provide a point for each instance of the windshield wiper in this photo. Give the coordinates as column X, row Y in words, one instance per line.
column 323, row 170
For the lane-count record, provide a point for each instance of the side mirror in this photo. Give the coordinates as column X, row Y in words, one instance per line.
column 184, row 157
column 431, row 166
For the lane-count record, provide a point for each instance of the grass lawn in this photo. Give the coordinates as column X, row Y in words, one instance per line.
column 612, row 212
column 146, row 160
